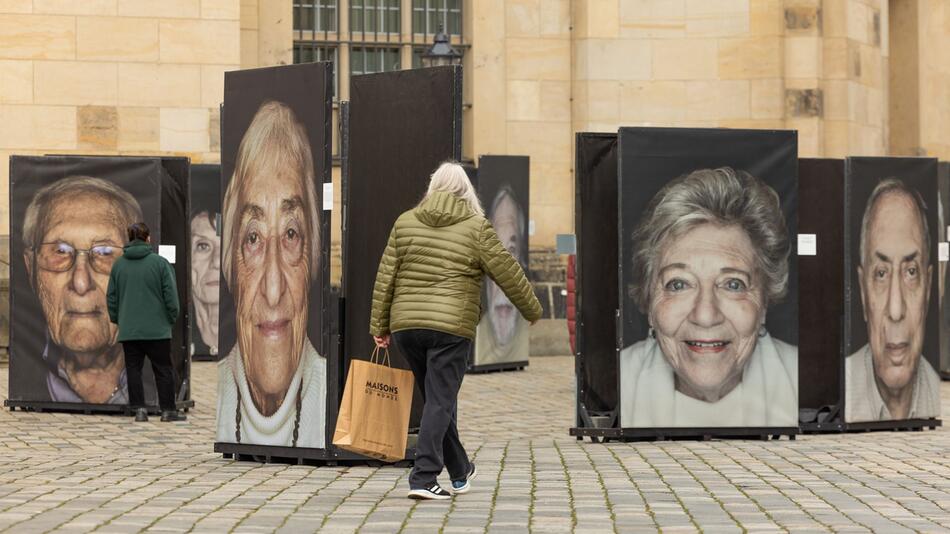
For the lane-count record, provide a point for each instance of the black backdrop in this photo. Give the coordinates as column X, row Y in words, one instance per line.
column 862, row 174
column 494, row 173
column 596, row 224
column 143, row 179
column 943, row 182
column 651, row 157
column 821, row 297
column 402, row 125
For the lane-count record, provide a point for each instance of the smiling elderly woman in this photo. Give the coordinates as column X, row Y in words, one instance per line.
column 710, row 255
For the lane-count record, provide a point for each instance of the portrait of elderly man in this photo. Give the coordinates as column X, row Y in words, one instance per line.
column 888, row 378
column 710, row 255
column 272, row 385
column 205, row 279
column 73, row 231
column 502, row 333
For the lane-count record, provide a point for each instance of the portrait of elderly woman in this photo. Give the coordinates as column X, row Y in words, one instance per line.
column 502, row 333
column 272, row 384
column 205, row 280
column 710, row 255
column 73, row 231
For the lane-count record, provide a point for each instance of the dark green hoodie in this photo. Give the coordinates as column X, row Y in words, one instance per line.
column 142, row 295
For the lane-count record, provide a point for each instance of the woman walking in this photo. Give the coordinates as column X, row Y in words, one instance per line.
column 428, row 295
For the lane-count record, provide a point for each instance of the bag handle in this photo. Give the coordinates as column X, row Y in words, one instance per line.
column 381, row 359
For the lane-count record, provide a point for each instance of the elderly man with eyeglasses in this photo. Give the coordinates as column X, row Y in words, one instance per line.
column 73, row 231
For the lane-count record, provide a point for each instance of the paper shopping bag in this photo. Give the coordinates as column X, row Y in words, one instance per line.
column 374, row 413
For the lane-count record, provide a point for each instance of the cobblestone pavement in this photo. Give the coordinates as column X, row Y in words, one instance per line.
column 79, row 473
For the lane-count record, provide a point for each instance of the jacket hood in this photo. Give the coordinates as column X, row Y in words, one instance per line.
column 443, row 209
column 136, row 250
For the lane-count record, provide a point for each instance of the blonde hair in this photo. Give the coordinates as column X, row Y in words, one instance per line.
column 274, row 140
column 450, row 177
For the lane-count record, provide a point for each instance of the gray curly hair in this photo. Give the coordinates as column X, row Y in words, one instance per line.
column 722, row 196
column 888, row 186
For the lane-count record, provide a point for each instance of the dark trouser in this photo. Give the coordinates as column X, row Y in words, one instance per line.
column 438, row 361
column 158, row 352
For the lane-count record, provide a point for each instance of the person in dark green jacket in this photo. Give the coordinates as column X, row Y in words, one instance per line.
column 428, row 297
column 143, row 300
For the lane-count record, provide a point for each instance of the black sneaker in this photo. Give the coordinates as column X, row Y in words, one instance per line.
column 171, row 416
column 462, row 486
column 432, row 493
column 141, row 415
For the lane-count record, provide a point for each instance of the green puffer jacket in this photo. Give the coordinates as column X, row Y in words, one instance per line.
column 430, row 275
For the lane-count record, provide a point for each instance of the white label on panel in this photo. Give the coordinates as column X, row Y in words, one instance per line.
column 167, row 252
column 807, row 244
column 531, row 227
column 328, row 196
column 943, row 251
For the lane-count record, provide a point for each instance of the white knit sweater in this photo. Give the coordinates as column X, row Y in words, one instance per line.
column 277, row 429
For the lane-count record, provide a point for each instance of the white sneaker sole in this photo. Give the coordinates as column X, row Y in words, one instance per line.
column 468, row 484
column 426, row 495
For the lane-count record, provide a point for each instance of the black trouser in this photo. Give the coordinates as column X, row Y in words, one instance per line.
column 158, row 352
column 438, row 361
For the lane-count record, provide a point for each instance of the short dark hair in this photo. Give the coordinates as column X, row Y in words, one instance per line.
column 138, row 230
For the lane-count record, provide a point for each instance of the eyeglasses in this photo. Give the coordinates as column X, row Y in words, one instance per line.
column 60, row 257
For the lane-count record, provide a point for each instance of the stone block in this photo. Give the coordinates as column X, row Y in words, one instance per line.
column 138, row 129
column 617, row 59
column 16, row 6
column 184, row 130
column 801, row 103
column 142, row 84
column 98, row 127
column 802, row 57
column 74, row 7
column 116, row 39
column 653, row 19
column 38, row 127
column 598, row 19
column 547, row 141
column 16, row 81
column 653, row 102
column 221, row 9
column 809, row 136
column 835, row 58
column 249, row 49
column 163, row 9
column 70, row 82
column 555, row 18
column 685, row 59
column 767, row 99
column 551, row 182
column 37, row 37
column 835, row 100
column 877, row 107
column 556, row 100
column 522, row 18
column 717, row 18
column 199, row 41
column 538, row 59
column 212, row 84
column 249, row 14
column 603, row 100
column 718, row 100
column 524, row 100
column 835, row 138
column 214, row 130
column 872, row 64
column 803, row 19
column 858, row 21
column 834, row 18
column 750, row 58
column 766, row 17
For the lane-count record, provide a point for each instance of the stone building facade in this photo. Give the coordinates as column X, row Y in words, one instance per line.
column 854, row 77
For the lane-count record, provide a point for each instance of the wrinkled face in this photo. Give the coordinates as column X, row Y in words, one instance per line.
column 895, row 289
column 501, row 312
column 707, row 305
column 74, row 301
column 271, row 278
column 205, row 260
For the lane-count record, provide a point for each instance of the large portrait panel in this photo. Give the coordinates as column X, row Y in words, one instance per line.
column 708, row 277
column 502, row 335
column 272, row 377
column 68, row 221
column 892, row 341
column 205, row 274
